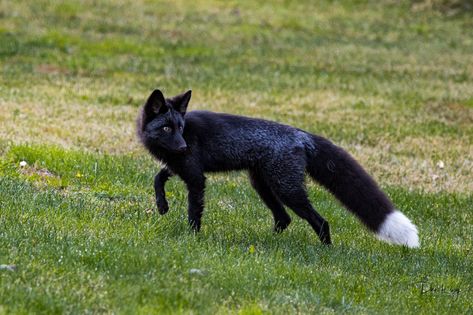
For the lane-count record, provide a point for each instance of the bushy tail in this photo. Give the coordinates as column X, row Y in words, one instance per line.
column 337, row 171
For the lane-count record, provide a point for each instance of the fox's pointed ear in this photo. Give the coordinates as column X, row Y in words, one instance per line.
column 180, row 102
column 156, row 104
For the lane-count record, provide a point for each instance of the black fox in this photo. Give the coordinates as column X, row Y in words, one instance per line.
column 276, row 157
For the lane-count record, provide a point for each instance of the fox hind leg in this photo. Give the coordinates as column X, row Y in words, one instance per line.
column 281, row 218
column 289, row 189
column 300, row 204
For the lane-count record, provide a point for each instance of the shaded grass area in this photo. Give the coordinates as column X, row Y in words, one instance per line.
column 242, row 47
column 356, row 49
column 80, row 247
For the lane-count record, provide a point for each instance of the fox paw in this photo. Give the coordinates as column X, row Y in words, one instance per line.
column 281, row 225
column 162, row 205
column 194, row 224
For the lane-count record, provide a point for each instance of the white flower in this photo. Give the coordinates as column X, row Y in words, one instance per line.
column 23, row 163
column 194, row 271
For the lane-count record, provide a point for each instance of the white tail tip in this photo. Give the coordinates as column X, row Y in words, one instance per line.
column 398, row 229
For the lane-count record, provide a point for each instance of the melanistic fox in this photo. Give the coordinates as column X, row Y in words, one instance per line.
column 276, row 157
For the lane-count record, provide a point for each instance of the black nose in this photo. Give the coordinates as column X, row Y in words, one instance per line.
column 182, row 148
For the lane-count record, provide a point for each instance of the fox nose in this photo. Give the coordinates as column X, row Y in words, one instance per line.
column 182, row 148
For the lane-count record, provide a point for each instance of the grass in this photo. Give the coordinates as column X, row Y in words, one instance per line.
column 389, row 82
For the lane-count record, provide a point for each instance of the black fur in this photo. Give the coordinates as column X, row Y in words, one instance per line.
column 276, row 156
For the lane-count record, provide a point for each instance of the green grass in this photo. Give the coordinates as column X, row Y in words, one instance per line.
column 91, row 246
column 389, row 81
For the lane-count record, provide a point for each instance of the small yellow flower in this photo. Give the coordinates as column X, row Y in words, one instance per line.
column 79, row 175
column 251, row 249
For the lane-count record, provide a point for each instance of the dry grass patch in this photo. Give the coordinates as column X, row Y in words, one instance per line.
column 91, row 127
column 409, row 161
column 430, row 164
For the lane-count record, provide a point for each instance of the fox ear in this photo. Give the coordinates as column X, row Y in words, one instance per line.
column 180, row 102
column 156, row 103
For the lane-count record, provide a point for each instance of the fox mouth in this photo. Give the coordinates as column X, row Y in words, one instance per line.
column 180, row 150
column 175, row 150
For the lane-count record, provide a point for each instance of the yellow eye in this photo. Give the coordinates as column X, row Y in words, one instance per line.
column 167, row 129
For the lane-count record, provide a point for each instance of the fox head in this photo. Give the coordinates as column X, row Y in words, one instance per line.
column 161, row 123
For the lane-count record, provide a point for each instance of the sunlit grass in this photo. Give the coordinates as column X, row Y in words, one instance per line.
column 92, row 243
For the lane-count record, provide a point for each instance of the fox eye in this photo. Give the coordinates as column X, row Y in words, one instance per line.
column 167, row 129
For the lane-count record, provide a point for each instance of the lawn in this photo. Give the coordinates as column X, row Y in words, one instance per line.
column 389, row 81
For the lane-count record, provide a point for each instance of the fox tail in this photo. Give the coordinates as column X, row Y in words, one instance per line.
column 336, row 170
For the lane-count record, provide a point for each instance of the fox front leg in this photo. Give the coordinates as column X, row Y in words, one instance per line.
column 196, row 188
column 159, row 182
